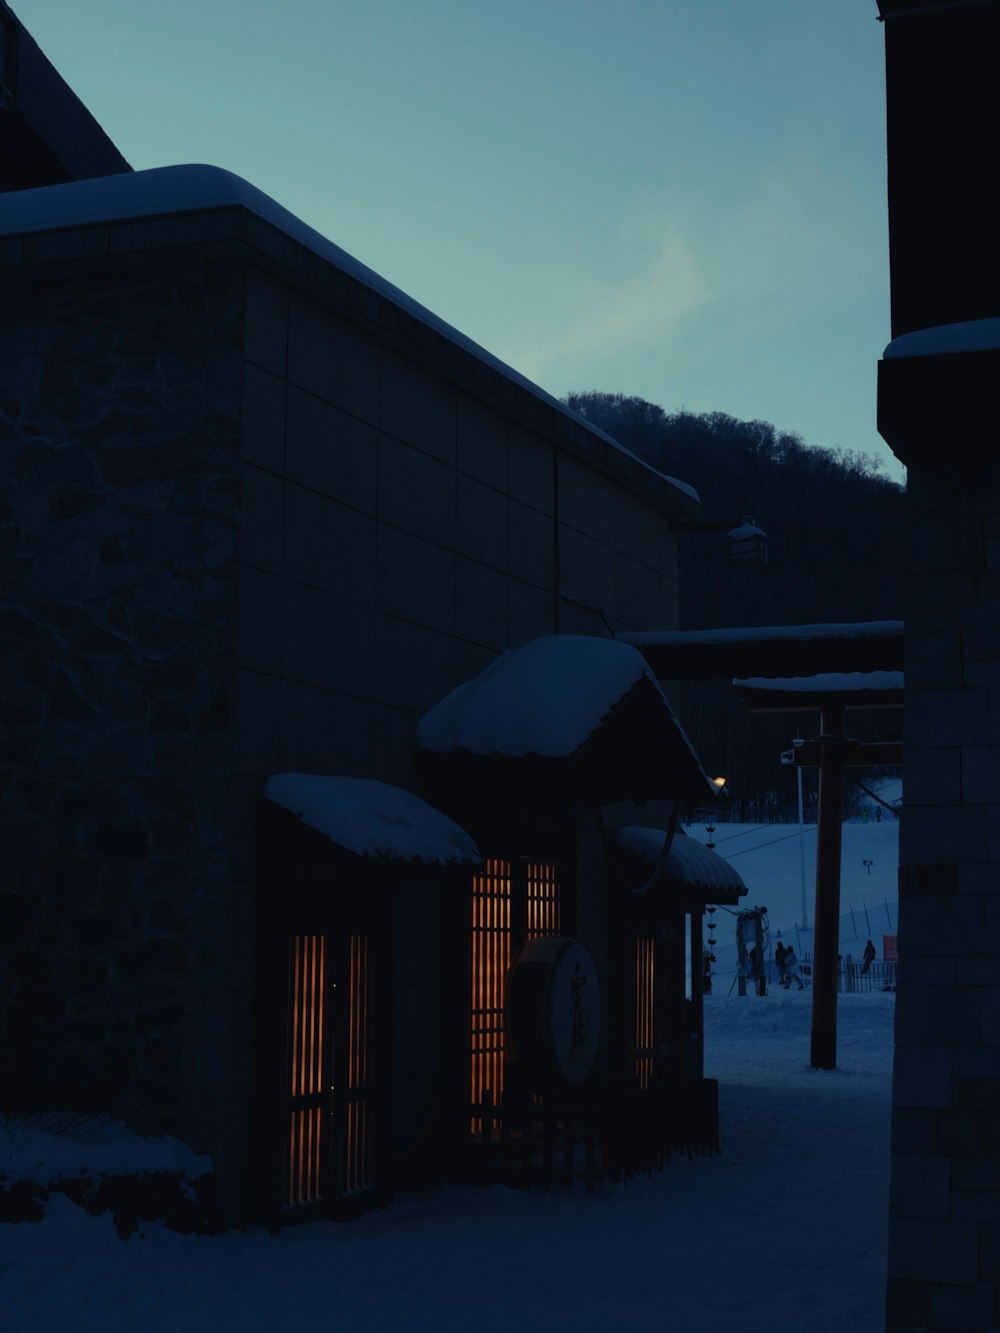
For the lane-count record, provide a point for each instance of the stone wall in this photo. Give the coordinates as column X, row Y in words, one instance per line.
column 119, row 415
column 944, row 1259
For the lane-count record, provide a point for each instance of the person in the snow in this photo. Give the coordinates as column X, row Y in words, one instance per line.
column 869, row 956
column 780, row 954
column 792, row 969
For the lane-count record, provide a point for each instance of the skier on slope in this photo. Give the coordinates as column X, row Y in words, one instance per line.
column 792, row 969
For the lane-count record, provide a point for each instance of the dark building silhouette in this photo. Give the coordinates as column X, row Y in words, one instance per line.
column 47, row 135
column 936, row 385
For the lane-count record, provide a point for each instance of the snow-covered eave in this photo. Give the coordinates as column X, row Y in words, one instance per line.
column 970, row 335
column 776, row 650
column 832, row 682
column 689, row 863
column 373, row 820
column 761, row 634
column 164, row 193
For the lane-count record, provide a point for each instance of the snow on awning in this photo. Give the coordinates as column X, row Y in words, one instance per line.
column 371, row 818
column 860, row 629
column 689, row 862
column 969, row 335
column 832, row 682
column 591, row 705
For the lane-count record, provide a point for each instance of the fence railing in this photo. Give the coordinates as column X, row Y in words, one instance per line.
column 852, row 976
column 855, row 976
column 602, row 1133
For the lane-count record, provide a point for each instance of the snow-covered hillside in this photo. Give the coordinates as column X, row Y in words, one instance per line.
column 769, row 859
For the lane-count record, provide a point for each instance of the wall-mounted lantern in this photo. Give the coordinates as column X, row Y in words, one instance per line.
column 746, row 544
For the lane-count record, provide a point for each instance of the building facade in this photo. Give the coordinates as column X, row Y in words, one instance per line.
column 263, row 512
column 936, row 387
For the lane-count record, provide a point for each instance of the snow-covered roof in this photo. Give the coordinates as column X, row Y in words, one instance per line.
column 688, row 860
column 670, row 638
column 371, row 818
column 545, row 698
column 744, row 530
column 831, row 682
column 970, row 335
column 591, row 704
column 196, row 188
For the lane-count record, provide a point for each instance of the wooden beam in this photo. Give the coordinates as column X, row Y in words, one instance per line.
column 823, row 1048
column 791, row 650
column 853, row 754
column 759, row 700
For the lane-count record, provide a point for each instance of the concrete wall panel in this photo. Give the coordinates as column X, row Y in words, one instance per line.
column 416, row 493
column 327, row 641
column 262, row 418
column 330, row 359
column 266, row 331
column 414, row 664
column 482, row 523
column 481, row 443
column 418, row 408
column 325, row 732
column 328, row 545
column 331, row 451
column 415, row 579
column 481, row 604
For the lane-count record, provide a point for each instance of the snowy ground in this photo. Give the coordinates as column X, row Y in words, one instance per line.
column 786, row 1228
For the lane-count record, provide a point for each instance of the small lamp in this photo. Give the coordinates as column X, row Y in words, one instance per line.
column 746, row 544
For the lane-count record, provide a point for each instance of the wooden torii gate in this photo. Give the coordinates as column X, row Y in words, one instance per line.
column 786, row 669
column 831, row 752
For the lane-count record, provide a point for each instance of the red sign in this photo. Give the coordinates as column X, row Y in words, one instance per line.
column 889, row 948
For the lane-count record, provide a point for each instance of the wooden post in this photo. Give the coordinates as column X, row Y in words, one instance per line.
column 823, row 1051
column 696, row 1035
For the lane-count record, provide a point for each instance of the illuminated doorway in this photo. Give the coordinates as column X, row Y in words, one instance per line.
column 511, row 901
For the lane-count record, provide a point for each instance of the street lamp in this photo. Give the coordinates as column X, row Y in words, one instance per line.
column 746, row 544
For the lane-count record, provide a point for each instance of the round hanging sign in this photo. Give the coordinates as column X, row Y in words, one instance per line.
column 552, row 1014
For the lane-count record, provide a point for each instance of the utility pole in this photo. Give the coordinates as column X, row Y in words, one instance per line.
column 788, row 757
column 823, row 1048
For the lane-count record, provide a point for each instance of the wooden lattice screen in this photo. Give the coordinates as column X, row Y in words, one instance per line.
column 330, row 1138
column 543, row 900
column 358, row 1136
column 490, row 950
column 309, row 1052
column 511, row 902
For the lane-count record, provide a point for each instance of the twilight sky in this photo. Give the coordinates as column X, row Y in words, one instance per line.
column 680, row 199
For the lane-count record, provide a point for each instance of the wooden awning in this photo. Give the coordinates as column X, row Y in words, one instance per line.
column 693, row 874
